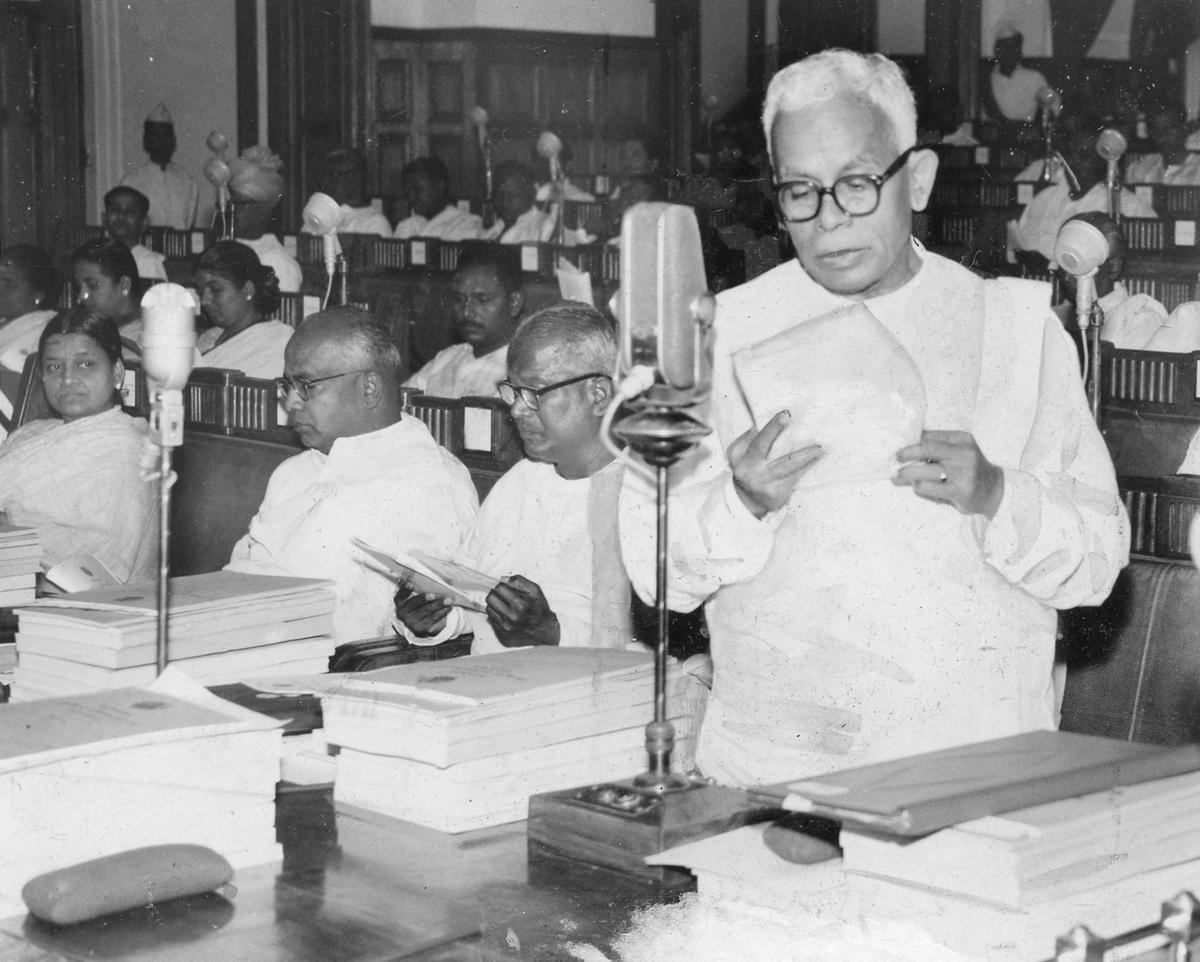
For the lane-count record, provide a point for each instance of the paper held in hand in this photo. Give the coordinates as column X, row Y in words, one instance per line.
column 426, row 575
column 850, row 386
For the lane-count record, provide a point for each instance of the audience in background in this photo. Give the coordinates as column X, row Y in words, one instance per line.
column 77, row 477
column 238, row 295
column 173, row 193
column 125, row 211
column 519, row 220
column 345, row 180
column 1012, row 89
column 29, row 287
column 1171, row 163
column 486, row 301
column 256, row 187
column 426, row 185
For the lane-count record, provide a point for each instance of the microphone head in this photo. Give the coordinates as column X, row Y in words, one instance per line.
column 1080, row 248
column 1050, row 100
column 217, row 172
column 1111, row 144
column 169, row 334
column 549, row 145
column 322, row 215
column 479, row 116
column 217, row 142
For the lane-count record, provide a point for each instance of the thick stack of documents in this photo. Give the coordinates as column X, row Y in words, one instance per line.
column 223, row 627
column 463, row 743
column 1117, row 840
column 20, row 553
column 93, row 775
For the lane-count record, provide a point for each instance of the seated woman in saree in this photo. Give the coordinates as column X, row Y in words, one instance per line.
column 237, row 295
column 107, row 283
column 28, row 290
column 77, row 477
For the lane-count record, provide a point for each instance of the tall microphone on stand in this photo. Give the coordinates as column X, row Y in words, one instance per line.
column 218, row 173
column 1111, row 145
column 550, row 146
column 323, row 216
column 1050, row 102
column 1080, row 249
column 479, row 119
column 168, row 352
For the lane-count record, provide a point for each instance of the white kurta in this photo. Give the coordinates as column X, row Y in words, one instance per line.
column 455, row 371
column 360, row 220
column 80, row 485
column 174, row 194
column 274, row 255
column 1180, row 332
column 1016, row 96
column 1130, row 320
column 533, row 227
column 150, row 264
column 395, row 489
column 1037, row 228
column 861, row 622
column 451, row 224
column 256, row 352
column 1151, row 169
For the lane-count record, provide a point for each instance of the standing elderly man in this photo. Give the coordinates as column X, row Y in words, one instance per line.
column 486, row 300
column 911, row 608
column 547, row 526
column 369, row 473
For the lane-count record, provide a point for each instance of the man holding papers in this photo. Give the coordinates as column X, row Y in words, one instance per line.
column 547, row 529
column 368, row 474
column 904, row 480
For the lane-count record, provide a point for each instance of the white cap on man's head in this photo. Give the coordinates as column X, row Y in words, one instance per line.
column 1006, row 30
column 159, row 115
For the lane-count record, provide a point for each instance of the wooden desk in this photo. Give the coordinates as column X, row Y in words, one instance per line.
column 362, row 888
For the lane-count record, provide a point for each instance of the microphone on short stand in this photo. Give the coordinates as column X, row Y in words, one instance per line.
column 666, row 314
column 479, row 119
column 218, row 173
column 549, row 145
column 1050, row 102
column 1080, row 249
column 1111, row 145
column 168, row 351
column 323, row 216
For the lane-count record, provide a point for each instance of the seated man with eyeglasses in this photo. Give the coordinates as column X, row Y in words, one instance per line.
column 485, row 302
column 369, row 474
column 861, row 616
column 548, row 527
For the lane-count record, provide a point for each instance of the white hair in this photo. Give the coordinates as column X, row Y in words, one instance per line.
column 827, row 74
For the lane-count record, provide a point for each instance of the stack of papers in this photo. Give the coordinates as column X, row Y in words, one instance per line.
column 20, row 552
column 222, row 627
column 97, row 774
column 462, row 744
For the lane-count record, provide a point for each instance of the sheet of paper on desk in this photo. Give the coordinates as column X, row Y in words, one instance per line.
column 850, row 386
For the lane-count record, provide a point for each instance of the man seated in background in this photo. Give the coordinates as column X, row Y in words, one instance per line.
column 548, row 526
column 486, row 301
column 1037, row 228
column 345, row 180
column 369, row 473
column 125, row 211
column 519, row 220
column 1012, row 88
column 426, row 184
column 1173, row 163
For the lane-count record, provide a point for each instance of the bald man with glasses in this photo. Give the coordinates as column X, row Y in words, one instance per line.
column 547, row 529
column 369, row 473
column 880, row 580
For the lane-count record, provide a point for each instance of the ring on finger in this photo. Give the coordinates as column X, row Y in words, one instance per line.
column 943, row 477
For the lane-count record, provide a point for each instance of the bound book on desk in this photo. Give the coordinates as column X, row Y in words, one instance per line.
column 223, row 626
column 20, row 551
column 98, row 774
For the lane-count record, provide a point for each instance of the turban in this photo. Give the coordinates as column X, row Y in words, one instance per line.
column 255, row 175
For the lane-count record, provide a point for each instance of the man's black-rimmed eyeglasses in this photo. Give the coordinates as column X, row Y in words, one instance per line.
column 303, row 385
column 532, row 396
column 855, row 194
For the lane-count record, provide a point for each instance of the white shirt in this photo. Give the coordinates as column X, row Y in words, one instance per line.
column 149, row 263
column 1037, row 228
column 360, row 220
column 451, row 224
column 1180, row 332
column 1130, row 320
column 533, row 227
column 1016, row 95
column 274, row 255
column 861, row 622
column 455, row 371
column 1151, row 169
column 174, row 194
column 395, row 489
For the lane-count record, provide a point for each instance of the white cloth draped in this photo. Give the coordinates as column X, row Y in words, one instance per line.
column 150, row 264
column 19, row 338
column 256, row 352
column 80, row 485
column 455, row 371
column 395, row 489
column 861, row 622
